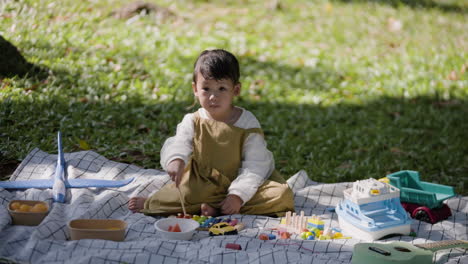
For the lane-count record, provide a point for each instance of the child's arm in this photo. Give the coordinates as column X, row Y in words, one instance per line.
column 180, row 145
column 231, row 205
column 257, row 166
column 175, row 169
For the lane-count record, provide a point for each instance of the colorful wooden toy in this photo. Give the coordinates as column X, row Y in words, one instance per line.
column 233, row 246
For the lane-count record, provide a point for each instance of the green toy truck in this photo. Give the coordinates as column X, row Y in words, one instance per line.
column 423, row 200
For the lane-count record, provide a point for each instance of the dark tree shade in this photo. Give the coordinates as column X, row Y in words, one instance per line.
column 13, row 63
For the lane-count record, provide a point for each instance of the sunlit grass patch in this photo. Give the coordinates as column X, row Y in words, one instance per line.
column 343, row 89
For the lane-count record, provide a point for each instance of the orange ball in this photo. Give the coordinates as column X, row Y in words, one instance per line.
column 39, row 208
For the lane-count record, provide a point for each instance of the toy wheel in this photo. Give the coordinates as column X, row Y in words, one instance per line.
column 422, row 216
column 233, row 232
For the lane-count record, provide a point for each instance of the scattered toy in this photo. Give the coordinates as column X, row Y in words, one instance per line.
column 186, row 216
column 423, row 200
column 293, row 223
column 221, row 229
column 285, row 235
column 60, row 182
column 233, row 246
column 239, row 226
column 315, row 222
column 207, row 222
column 308, row 228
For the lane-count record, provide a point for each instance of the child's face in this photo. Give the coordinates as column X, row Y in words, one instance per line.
column 216, row 96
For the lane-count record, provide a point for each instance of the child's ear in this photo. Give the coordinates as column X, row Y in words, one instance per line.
column 194, row 88
column 237, row 89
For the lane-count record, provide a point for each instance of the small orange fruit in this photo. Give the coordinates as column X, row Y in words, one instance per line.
column 24, row 208
column 15, row 205
column 39, row 208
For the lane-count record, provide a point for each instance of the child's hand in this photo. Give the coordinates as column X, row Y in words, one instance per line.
column 175, row 169
column 231, row 205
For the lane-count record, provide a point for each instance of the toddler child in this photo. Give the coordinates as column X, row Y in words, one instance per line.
column 218, row 157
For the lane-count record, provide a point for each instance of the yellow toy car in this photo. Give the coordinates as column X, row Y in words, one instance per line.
column 221, row 229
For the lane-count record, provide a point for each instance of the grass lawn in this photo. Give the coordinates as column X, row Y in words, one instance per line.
column 345, row 90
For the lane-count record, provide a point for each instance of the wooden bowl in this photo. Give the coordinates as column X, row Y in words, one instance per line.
column 107, row 229
column 27, row 218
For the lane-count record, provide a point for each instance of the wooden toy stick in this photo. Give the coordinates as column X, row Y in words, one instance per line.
column 182, row 201
column 301, row 222
column 288, row 218
column 294, row 221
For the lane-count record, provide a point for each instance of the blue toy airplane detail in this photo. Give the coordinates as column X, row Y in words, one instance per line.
column 60, row 182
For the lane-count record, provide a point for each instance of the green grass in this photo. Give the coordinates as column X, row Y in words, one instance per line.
column 340, row 90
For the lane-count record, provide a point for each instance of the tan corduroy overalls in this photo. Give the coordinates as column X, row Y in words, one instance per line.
column 216, row 159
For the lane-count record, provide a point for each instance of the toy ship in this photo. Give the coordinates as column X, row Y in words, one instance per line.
column 371, row 210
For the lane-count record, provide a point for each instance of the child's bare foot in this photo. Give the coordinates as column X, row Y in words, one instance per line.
column 136, row 204
column 208, row 210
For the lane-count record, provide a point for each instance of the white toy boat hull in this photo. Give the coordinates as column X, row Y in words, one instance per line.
column 357, row 233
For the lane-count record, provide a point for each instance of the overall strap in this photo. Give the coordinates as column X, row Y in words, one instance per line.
column 254, row 130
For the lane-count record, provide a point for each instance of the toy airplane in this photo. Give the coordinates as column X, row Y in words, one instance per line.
column 60, row 182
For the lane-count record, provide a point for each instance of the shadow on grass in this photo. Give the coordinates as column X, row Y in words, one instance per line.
column 14, row 64
column 333, row 144
column 417, row 4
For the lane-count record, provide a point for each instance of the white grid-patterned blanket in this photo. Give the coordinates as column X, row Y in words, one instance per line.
column 48, row 242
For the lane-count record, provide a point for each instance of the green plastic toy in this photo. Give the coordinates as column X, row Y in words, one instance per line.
column 401, row 252
column 413, row 190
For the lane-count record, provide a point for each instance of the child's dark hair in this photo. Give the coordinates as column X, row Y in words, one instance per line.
column 217, row 64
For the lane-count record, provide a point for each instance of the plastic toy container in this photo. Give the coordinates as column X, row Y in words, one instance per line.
column 413, row 190
column 32, row 213
column 187, row 227
column 106, row 229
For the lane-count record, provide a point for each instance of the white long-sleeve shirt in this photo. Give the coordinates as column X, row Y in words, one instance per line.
column 257, row 160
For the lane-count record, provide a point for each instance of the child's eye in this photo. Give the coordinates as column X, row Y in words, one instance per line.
column 206, row 89
column 222, row 88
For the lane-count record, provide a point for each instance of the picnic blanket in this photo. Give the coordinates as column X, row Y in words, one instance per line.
column 49, row 242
